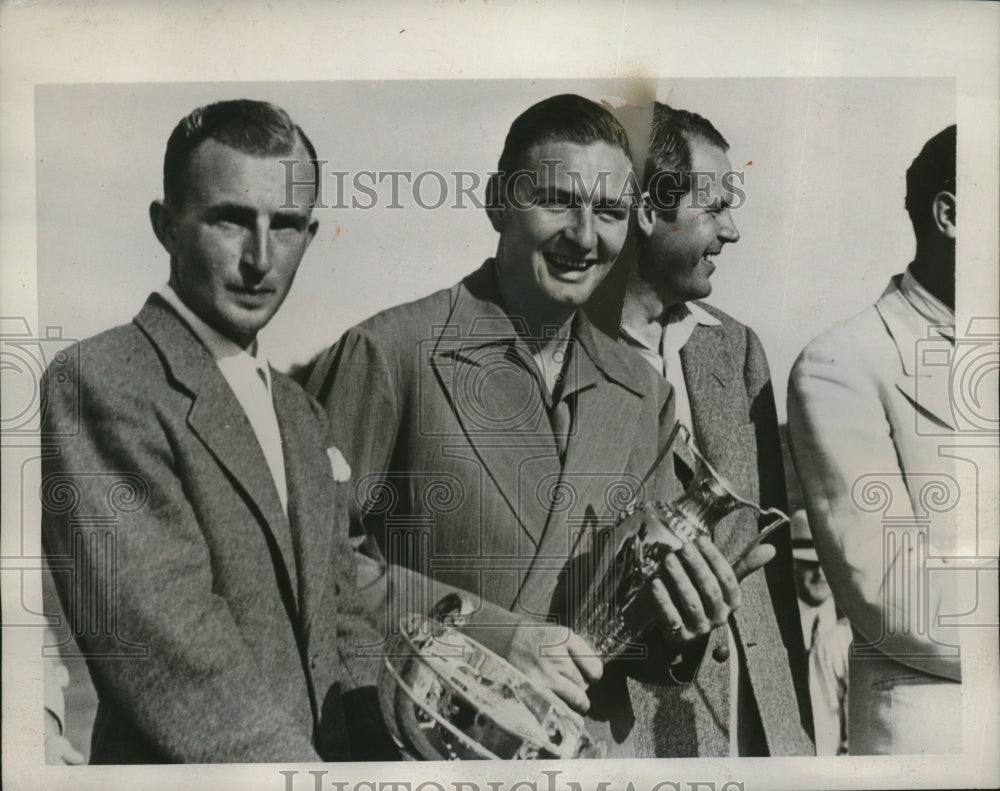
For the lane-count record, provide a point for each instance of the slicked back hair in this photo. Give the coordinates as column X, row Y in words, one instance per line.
column 933, row 171
column 251, row 127
column 667, row 172
column 563, row 118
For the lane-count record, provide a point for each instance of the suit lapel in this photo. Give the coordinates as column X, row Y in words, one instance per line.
column 710, row 377
column 311, row 492
column 716, row 393
column 496, row 400
column 605, row 422
column 924, row 358
column 217, row 418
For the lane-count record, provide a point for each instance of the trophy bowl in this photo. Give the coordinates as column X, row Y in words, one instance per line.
column 445, row 696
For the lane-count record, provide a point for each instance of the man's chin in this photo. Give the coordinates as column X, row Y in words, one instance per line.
column 699, row 291
column 242, row 326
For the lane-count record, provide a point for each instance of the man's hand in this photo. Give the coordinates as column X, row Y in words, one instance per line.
column 556, row 659
column 698, row 589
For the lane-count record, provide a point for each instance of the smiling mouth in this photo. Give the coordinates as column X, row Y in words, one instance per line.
column 709, row 258
column 567, row 264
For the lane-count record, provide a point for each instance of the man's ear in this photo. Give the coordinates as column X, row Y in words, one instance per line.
column 162, row 219
column 943, row 212
column 495, row 213
column 494, row 206
column 645, row 216
column 313, row 227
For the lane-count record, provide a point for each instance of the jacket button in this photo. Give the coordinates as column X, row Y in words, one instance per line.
column 720, row 653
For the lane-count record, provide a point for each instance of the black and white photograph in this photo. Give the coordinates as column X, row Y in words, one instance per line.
column 373, row 394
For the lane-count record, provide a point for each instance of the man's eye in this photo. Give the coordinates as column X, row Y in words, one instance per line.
column 287, row 224
column 227, row 224
column 612, row 213
column 227, row 221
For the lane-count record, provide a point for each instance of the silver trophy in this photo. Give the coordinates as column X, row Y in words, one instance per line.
column 445, row 696
column 617, row 610
column 448, row 697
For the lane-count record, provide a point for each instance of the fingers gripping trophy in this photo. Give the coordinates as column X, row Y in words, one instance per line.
column 447, row 697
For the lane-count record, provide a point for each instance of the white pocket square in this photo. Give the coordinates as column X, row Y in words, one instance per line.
column 338, row 465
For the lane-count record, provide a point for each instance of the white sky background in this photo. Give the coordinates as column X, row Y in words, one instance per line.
column 822, row 229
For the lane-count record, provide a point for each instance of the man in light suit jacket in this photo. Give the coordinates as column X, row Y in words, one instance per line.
column 720, row 376
column 866, row 419
column 495, row 434
column 194, row 518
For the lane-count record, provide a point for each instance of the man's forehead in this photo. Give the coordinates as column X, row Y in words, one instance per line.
column 709, row 158
column 597, row 168
column 215, row 168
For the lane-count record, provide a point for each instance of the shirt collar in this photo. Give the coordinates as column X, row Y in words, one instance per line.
column 701, row 315
column 218, row 345
column 930, row 308
column 687, row 314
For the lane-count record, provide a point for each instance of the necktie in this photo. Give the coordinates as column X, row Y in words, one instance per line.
column 561, row 418
column 813, row 633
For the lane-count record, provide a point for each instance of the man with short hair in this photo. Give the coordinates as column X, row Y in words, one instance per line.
column 194, row 519
column 866, row 420
column 743, row 701
column 495, row 434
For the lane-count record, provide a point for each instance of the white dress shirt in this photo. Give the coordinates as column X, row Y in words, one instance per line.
column 930, row 308
column 816, row 620
column 249, row 376
column 681, row 322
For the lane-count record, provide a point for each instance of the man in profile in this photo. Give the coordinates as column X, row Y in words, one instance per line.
column 744, row 699
column 495, row 434
column 863, row 412
column 195, row 521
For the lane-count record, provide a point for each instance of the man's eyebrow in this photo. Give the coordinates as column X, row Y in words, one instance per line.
column 717, row 202
column 565, row 195
column 553, row 191
column 622, row 201
column 237, row 212
column 230, row 211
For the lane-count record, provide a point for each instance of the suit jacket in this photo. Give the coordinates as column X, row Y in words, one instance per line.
column 208, row 617
column 866, row 420
column 215, row 627
column 736, row 429
column 458, row 470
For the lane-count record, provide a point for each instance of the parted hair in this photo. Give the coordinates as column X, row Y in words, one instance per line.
column 566, row 117
column 667, row 172
column 252, row 127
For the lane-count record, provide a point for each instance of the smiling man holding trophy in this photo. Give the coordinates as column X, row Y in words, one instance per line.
column 503, row 445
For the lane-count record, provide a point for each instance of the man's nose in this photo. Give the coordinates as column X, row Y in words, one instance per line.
column 728, row 231
column 582, row 229
column 256, row 250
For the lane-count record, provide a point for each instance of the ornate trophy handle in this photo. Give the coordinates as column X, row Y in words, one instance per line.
column 616, row 610
column 780, row 519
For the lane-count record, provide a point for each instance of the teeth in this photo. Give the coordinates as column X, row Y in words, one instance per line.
column 567, row 263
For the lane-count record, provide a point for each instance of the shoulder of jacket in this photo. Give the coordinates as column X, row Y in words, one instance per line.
column 855, row 343
column 403, row 322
